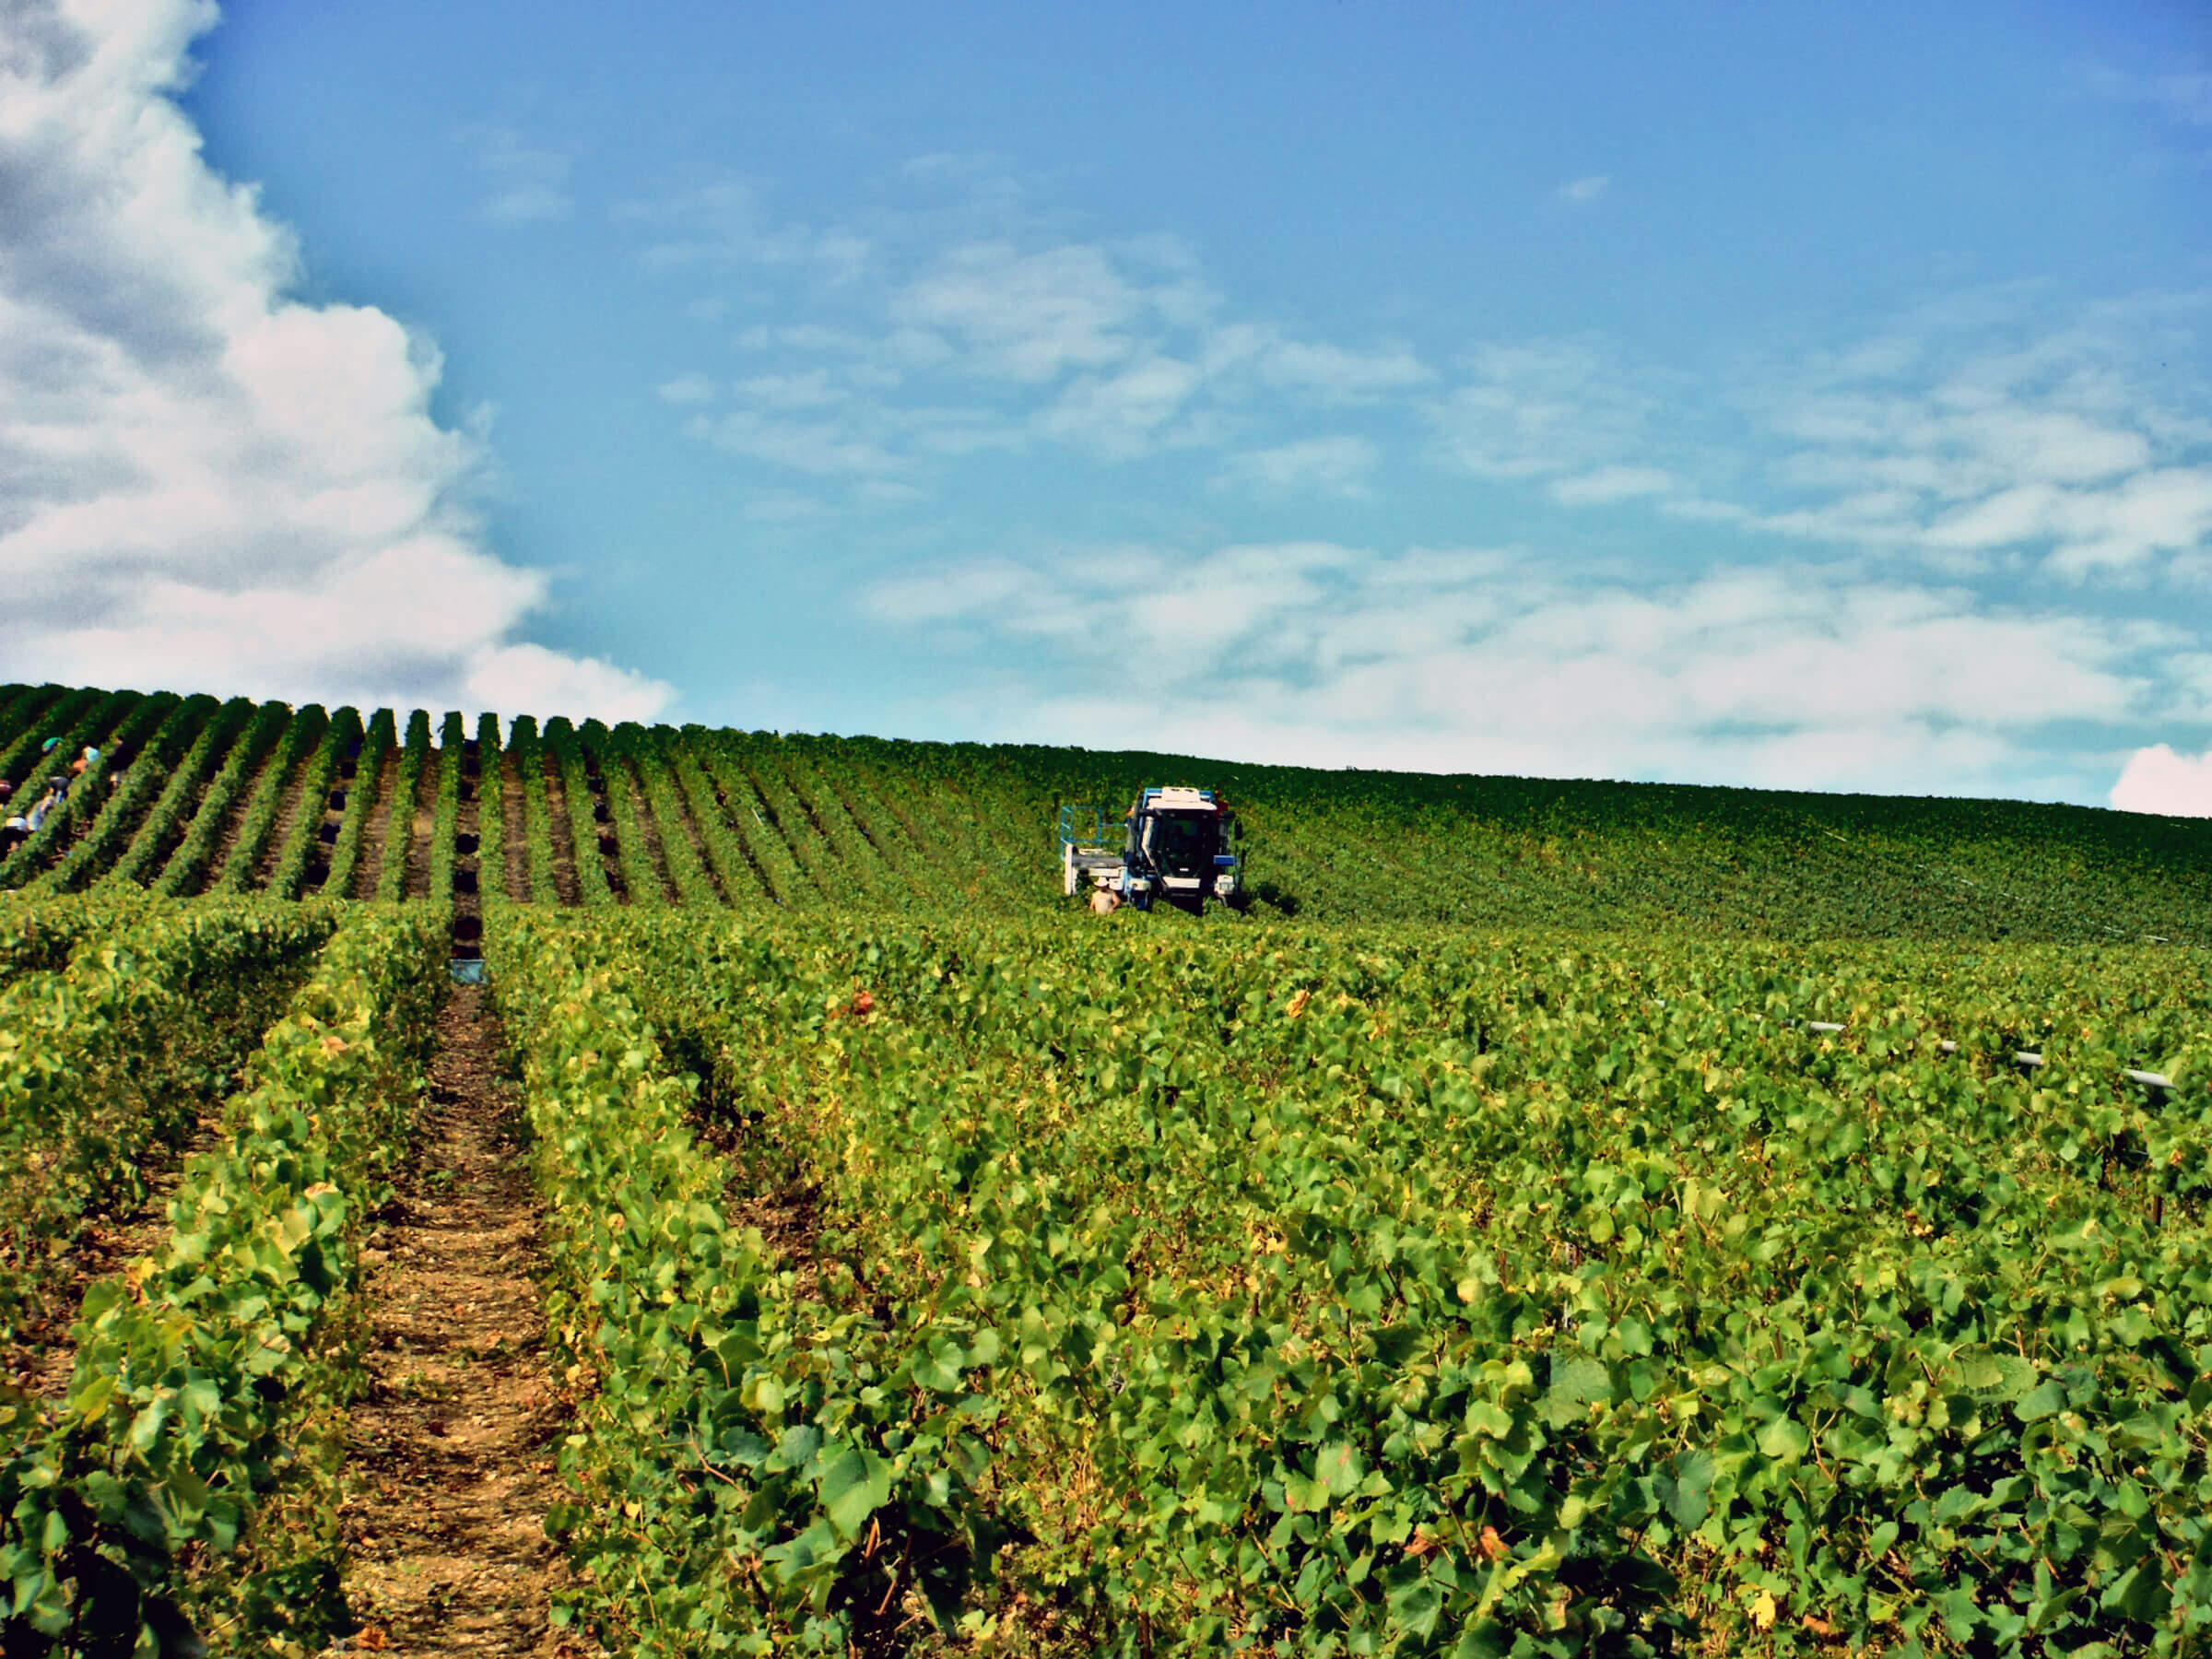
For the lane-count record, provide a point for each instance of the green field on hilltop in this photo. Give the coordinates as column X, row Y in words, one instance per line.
column 232, row 798
column 1549, row 1218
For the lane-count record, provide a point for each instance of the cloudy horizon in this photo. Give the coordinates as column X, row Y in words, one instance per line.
column 794, row 373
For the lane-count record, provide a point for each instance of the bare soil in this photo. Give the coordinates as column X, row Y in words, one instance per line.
column 452, row 1455
column 516, row 876
column 564, row 836
column 239, row 811
column 377, row 831
column 425, row 824
column 287, row 819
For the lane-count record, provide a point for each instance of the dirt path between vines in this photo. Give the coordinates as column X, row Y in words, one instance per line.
column 288, row 818
column 514, row 880
column 564, row 834
column 451, row 1457
column 239, row 806
column 376, row 834
column 423, row 825
column 625, row 770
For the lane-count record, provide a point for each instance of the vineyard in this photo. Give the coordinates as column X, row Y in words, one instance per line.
column 1551, row 1219
column 233, row 799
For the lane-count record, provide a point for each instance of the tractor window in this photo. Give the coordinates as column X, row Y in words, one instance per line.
column 1184, row 842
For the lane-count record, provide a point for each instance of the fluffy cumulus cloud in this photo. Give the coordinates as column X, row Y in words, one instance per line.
column 1494, row 660
column 2157, row 780
column 205, row 483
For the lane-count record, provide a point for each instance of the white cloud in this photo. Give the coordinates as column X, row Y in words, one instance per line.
column 1495, row 660
column 1535, row 408
column 205, row 484
column 530, row 679
column 1122, row 414
column 1339, row 464
column 529, row 183
column 800, row 336
column 1969, row 438
column 813, row 390
column 2157, row 780
column 723, row 223
column 1611, row 484
column 1999, row 431
column 1334, row 373
column 785, row 507
column 1586, row 189
column 821, row 447
column 1034, row 316
column 687, row 389
column 1111, row 347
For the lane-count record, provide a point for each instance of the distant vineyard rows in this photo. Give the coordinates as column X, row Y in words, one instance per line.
column 235, row 798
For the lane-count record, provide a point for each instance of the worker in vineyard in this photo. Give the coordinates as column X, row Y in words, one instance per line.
column 19, row 829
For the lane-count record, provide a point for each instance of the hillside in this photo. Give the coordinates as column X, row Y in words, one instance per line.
column 718, row 1198
column 231, row 797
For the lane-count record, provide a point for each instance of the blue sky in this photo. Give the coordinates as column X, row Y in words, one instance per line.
column 1799, row 395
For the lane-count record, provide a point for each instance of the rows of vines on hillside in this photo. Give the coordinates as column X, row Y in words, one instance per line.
column 190, row 798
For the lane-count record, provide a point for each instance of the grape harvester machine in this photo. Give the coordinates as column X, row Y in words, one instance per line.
column 1179, row 844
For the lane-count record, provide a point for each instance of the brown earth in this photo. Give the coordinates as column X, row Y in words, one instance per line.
column 370, row 870
column 239, row 809
column 564, row 835
column 452, row 1455
column 515, row 877
column 288, row 819
column 425, row 824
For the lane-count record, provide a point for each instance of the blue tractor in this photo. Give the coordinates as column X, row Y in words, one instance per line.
column 1179, row 844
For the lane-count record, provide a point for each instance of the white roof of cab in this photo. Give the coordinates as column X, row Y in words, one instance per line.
column 1181, row 799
